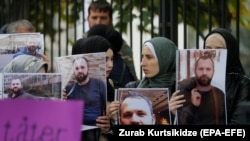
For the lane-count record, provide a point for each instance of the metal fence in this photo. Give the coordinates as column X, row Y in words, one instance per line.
column 184, row 22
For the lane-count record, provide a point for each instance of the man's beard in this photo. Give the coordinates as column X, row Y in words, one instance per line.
column 204, row 80
column 17, row 91
column 32, row 49
column 81, row 77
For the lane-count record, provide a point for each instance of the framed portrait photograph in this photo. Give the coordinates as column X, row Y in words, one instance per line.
column 31, row 85
column 84, row 78
column 143, row 106
column 200, row 77
column 13, row 45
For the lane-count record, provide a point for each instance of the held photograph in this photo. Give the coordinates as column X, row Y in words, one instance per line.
column 143, row 106
column 13, row 45
column 84, row 78
column 31, row 86
column 201, row 79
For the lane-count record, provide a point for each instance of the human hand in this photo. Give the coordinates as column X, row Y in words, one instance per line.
column 45, row 59
column 176, row 101
column 195, row 97
column 64, row 94
column 112, row 109
column 103, row 122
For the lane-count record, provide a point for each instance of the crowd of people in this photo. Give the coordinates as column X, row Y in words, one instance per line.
column 186, row 102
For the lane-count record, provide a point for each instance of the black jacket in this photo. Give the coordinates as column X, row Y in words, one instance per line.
column 237, row 91
column 237, row 84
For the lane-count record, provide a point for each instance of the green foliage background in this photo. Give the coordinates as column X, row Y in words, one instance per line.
column 56, row 16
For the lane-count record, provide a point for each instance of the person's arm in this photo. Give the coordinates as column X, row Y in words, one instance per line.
column 45, row 59
column 112, row 111
column 64, row 94
column 17, row 54
column 103, row 122
column 176, row 101
column 239, row 87
column 67, row 91
column 183, row 110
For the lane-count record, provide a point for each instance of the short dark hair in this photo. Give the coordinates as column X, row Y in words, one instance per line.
column 101, row 5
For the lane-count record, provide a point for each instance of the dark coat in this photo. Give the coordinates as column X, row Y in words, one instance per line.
column 237, row 91
column 237, row 84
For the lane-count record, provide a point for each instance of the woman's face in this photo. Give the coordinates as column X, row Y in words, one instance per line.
column 109, row 61
column 215, row 41
column 149, row 63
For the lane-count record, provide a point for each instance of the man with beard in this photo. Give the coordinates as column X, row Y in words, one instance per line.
column 136, row 109
column 32, row 43
column 91, row 90
column 205, row 104
column 18, row 92
column 32, row 47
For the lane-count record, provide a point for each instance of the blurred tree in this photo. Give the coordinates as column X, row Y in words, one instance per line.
column 43, row 12
column 223, row 13
column 58, row 16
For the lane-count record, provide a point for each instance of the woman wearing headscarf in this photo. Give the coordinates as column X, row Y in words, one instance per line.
column 95, row 44
column 159, row 67
column 121, row 72
column 158, row 64
column 237, row 84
